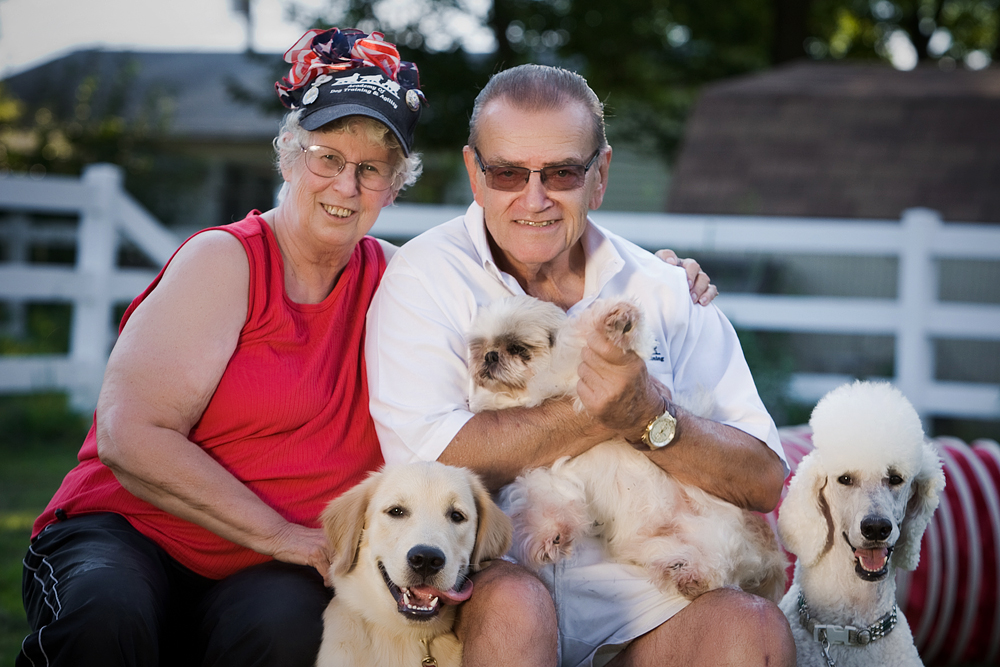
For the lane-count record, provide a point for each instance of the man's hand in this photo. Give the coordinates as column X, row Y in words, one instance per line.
column 616, row 388
column 702, row 289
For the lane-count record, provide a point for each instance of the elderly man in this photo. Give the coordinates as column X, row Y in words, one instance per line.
column 538, row 161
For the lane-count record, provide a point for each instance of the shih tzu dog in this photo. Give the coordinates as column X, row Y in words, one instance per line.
column 523, row 351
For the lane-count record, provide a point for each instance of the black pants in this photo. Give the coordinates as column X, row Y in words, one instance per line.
column 97, row 592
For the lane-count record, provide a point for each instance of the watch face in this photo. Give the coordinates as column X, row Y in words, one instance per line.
column 662, row 431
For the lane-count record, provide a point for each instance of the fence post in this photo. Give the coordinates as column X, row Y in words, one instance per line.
column 918, row 287
column 97, row 245
column 18, row 254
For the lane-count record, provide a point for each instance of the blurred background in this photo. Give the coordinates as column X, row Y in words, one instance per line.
column 833, row 164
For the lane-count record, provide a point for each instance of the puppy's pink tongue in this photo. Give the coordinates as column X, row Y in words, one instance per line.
column 446, row 597
column 872, row 560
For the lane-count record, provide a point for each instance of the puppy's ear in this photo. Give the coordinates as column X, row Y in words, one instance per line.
column 804, row 521
column 494, row 532
column 344, row 519
column 925, row 494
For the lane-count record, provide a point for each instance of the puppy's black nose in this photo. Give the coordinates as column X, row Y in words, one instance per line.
column 876, row 527
column 425, row 560
column 492, row 357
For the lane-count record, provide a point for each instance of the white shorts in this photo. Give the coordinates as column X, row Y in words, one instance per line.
column 602, row 606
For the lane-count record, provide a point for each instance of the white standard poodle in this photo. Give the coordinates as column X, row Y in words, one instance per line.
column 855, row 511
column 523, row 351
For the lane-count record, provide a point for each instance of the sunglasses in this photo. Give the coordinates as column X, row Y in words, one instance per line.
column 556, row 178
column 371, row 174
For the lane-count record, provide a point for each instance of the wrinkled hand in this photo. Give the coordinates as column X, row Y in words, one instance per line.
column 702, row 289
column 616, row 389
column 303, row 546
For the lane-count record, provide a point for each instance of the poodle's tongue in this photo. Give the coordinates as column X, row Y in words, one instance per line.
column 446, row 597
column 872, row 560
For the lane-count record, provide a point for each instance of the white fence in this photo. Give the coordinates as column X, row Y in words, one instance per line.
column 915, row 317
column 93, row 286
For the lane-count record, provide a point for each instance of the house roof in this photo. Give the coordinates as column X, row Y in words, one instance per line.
column 198, row 91
column 844, row 140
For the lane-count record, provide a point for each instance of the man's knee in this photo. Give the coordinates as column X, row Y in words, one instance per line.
column 750, row 629
column 510, row 600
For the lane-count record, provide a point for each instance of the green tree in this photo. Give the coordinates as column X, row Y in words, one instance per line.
column 63, row 133
column 647, row 59
column 939, row 30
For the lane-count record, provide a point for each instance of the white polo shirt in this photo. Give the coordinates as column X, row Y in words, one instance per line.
column 416, row 350
column 418, row 382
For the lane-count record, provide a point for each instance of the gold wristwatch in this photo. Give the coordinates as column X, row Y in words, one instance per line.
column 660, row 431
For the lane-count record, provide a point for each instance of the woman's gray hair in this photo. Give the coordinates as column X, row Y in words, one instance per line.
column 292, row 137
column 539, row 88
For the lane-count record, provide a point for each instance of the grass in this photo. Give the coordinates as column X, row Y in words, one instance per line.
column 39, row 439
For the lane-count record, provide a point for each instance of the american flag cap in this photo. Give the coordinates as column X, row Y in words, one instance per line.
column 337, row 73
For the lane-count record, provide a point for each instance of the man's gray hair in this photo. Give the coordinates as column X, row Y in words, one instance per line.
column 292, row 137
column 539, row 88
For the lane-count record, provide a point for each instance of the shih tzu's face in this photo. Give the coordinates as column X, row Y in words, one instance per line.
column 510, row 340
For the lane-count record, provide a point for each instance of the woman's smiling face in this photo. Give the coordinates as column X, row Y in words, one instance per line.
column 337, row 210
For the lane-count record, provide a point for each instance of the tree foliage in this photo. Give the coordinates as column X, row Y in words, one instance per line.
column 947, row 31
column 62, row 133
column 648, row 58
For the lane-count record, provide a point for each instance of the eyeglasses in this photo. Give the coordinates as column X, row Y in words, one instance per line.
column 513, row 179
column 371, row 174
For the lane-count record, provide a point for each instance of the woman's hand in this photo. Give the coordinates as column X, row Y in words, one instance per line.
column 303, row 546
column 702, row 289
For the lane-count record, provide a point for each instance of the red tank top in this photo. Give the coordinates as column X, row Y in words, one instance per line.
column 289, row 417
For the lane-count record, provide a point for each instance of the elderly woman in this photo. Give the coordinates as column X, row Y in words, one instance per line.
column 235, row 405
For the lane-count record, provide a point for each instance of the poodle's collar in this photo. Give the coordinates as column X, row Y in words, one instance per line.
column 848, row 635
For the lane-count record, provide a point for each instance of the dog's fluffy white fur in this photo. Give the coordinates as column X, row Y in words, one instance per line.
column 855, row 511
column 523, row 351
column 406, row 540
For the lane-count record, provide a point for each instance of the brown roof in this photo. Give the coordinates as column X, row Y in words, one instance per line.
column 844, row 140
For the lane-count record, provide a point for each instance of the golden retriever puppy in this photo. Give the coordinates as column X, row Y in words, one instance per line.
column 406, row 540
column 855, row 511
column 523, row 351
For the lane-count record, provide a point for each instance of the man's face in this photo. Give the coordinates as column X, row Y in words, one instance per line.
column 536, row 227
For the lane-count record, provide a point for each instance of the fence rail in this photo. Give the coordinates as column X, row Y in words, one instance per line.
column 915, row 317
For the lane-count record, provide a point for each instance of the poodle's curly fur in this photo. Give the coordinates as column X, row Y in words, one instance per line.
column 523, row 351
column 855, row 511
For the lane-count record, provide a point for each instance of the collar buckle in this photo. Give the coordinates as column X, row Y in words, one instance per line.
column 833, row 634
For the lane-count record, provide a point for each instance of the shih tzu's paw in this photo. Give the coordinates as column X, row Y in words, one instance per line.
column 620, row 321
column 683, row 574
column 547, row 534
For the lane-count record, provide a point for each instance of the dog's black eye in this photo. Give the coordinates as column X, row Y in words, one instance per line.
column 846, row 480
column 516, row 350
column 457, row 516
column 396, row 511
column 895, row 480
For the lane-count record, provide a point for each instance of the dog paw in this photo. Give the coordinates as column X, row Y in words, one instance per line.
column 621, row 324
column 683, row 576
column 551, row 546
